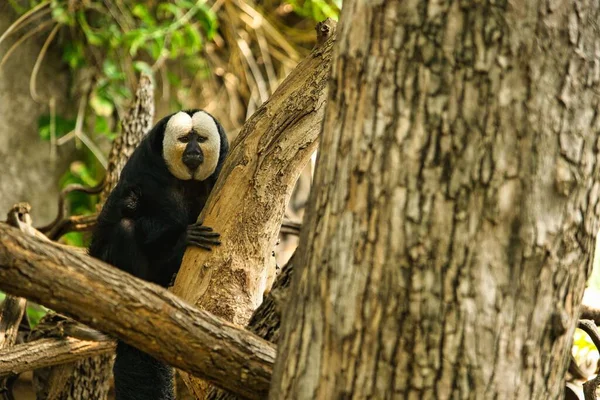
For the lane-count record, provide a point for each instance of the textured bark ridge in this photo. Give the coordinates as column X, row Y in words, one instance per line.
column 47, row 352
column 140, row 313
column 248, row 201
column 455, row 204
column 12, row 309
column 135, row 124
column 266, row 320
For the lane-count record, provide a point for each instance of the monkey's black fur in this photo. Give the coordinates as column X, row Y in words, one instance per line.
column 144, row 228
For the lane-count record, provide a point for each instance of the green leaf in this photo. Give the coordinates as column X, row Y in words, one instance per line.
column 62, row 16
column 193, row 41
column 35, row 312
column 92, row 37
column 115, row 36
column 318, row 10
column 155, row 47
column 138, row 40
column 101, row 105
column 73, row 55
column 111, row 70
column 142, row 12
column 208, row 19
column 177, row 44
column 74, row 239
column 142, row 66
column 101, row 126
column 174, row 79
column 82, row 172
column 167, row 10
column 185, row 3
column 62, row 126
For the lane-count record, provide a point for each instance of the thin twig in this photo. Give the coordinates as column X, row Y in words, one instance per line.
column 38, row 63
column 254, row 69
column 23, row 38
column 80, row 134
column 589, row 327
column 52, row 106
column 23, row 18
column 89, row 143
column 270, row 30
column 268, row 62
column 53, row 227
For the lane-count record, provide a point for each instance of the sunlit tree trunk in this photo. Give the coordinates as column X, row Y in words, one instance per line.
column 455, row 204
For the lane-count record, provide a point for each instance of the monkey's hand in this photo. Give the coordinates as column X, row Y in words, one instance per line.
column 201, row 236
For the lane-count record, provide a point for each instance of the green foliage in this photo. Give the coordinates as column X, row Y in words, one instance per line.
column 82, row 173
column 62, row 126
column 113, row 40
column 318, row 10
column 35, row 312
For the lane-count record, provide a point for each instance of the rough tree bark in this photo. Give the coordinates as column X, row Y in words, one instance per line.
column 248, row 201
column 266, row 319
column 13, row 308
column 134, row 126
column 47, row 352
column 454, row 210
column 140, row 313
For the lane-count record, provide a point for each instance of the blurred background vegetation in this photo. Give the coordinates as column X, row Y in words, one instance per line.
column 224, row 56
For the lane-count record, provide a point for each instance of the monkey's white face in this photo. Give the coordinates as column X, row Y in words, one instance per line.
column 184, row 135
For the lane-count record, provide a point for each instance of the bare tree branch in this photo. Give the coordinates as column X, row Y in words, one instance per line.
column 13, row 308
column 140, row 313
column 55, row 227
column 11, row 313
column 48, row 352
column 589, row 312
column 589, row 327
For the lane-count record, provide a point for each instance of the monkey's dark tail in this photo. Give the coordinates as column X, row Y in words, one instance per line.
column 138, row 376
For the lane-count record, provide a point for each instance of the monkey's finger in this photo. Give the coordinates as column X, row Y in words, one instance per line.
column 205, row 247
column 206, row 241
column 204, row 235
column 200, row 224
column 200, row 228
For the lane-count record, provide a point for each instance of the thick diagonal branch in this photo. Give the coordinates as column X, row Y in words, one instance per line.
column 117, row 303
column 248, row 201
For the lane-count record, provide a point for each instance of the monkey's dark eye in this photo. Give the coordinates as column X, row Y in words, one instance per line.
column 202, row 139
column 184, row 139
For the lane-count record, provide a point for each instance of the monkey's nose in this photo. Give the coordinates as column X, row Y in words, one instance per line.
column 192, row 161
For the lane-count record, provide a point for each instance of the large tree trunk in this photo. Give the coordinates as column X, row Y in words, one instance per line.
column 455, row 205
